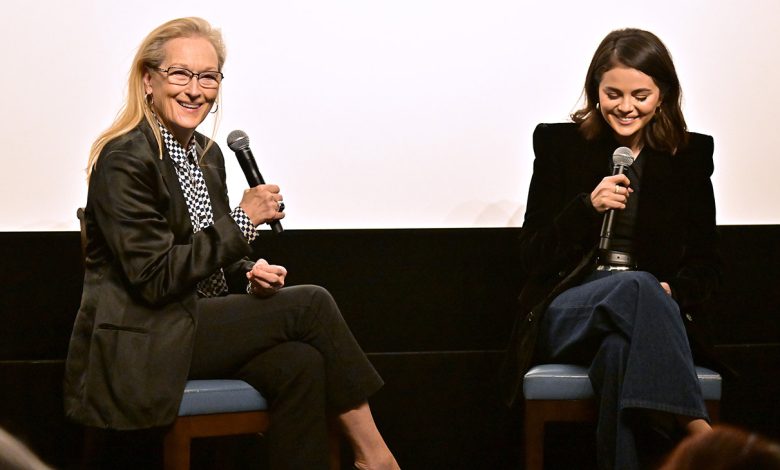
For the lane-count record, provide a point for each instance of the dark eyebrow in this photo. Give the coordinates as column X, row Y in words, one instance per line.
column 634, row 92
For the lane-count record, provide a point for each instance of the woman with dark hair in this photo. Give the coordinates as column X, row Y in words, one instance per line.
column 170, row 293
column 621, row 304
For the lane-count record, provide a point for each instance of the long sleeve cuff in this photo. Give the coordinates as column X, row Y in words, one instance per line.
column 244, row 224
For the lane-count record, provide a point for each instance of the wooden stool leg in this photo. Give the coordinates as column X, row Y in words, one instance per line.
column 713, row 409
column 176, row 447
column 93, row 444
column 534, row 438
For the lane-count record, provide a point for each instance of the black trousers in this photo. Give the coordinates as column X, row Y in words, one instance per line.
column 295, row 348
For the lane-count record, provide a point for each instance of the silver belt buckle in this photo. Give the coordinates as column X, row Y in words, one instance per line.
column 604, row 267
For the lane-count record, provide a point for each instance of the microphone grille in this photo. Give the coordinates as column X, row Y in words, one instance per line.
column 237, row 140
column 622, row 157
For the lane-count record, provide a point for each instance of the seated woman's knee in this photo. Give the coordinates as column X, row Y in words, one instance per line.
column 642, row 279
column 320, row 301
column 313, row 293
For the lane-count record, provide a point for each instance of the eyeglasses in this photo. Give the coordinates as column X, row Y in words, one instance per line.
column 182, row 76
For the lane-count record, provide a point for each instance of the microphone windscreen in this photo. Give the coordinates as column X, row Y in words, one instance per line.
column 623, row 157
column 238, row 140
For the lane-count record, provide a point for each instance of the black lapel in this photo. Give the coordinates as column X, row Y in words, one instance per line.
column 177, row 213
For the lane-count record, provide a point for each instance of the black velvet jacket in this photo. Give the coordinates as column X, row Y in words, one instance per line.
column 131, row 346
column 676, row 237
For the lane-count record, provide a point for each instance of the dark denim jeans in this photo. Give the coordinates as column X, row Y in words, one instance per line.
column 625, row 326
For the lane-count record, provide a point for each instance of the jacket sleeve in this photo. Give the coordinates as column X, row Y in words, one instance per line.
column 131, row 202
column 558, row 226
column 699, row 270
column 235, row 273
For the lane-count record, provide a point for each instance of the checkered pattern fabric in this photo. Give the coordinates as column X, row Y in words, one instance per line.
column 245, row 224
column 196, row 195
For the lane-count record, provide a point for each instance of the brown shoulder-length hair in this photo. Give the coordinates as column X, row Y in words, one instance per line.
column 641, row 50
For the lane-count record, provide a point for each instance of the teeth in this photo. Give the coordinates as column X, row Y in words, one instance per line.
column 189, row 105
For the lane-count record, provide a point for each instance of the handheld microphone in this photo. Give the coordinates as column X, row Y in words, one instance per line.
column 622, row 158
column 238, row 142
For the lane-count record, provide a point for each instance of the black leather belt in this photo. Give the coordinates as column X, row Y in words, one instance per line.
column 610, row 260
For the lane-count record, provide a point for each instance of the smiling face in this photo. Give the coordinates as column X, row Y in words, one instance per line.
column 628, row 100
column 181, row 108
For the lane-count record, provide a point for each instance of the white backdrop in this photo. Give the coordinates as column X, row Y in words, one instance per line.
column 383, row 114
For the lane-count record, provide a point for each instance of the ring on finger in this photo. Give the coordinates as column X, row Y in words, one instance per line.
column 617, row 189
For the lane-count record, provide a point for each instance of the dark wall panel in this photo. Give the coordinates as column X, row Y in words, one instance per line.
column 433, row 307
column 41, row 280
column 746, row 310
column 410, row 290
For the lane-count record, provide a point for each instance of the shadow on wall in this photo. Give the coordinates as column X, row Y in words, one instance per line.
column 503, row 213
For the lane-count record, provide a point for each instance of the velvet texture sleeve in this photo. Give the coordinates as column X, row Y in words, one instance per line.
column 143, row 219
column 559, row 220
column 697, row 274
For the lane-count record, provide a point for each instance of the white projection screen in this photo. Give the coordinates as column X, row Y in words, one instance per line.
column 383, row 114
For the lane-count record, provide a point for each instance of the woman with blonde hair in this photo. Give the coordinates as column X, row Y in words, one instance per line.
column 169, row 293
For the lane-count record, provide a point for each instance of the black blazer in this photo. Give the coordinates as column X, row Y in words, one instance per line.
column 676, row 234
column 131, row 346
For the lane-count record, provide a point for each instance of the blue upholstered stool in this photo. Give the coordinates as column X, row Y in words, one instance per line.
column 562, row 393
column 203, row 397
column 213, row 408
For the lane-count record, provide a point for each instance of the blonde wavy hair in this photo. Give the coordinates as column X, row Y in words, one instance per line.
column 150, row 55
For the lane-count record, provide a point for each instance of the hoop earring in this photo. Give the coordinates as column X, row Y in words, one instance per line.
column 598, row 106
column 215, row 109
column 150, row 104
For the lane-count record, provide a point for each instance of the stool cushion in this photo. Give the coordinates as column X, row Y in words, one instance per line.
column 571, row 382
column 203, row 397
